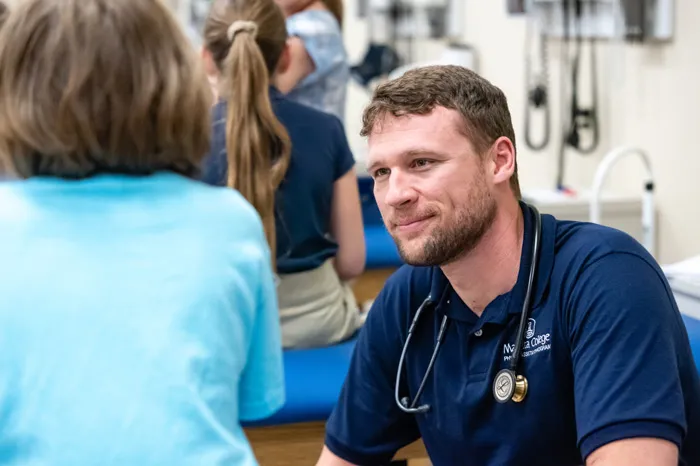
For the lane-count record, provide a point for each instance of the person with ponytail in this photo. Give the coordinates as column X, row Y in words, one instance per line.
column 293, row 164
column 319, row 71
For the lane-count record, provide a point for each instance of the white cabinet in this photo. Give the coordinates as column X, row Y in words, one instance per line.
column 620, row 212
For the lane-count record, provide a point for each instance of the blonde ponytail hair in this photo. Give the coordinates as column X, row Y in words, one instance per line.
column 246, row 39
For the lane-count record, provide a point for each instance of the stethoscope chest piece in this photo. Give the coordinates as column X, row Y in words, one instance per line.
column 508, row 386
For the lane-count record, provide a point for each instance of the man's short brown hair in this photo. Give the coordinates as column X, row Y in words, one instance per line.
column 89, row 86
column 483, row 106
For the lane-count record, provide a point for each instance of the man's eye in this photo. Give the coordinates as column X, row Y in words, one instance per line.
column 420, row 163
column 381, row 172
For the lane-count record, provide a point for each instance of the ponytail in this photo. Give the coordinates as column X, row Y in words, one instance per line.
column 257, row 144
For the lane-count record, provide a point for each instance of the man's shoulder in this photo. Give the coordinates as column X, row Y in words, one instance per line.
column 593, row 260
column 402, row 293
column 386, row 328
column 581, row 244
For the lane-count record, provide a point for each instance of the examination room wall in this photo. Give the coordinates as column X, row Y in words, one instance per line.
column 649, row 97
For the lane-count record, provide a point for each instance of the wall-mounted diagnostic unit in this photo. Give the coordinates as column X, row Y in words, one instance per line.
column 631, row 20
column 577, row 26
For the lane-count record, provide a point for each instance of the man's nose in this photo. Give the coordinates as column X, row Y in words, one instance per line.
column 399, row 190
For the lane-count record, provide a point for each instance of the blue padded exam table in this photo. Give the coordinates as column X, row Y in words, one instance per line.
column 381, row 249
column 313, row 379
column 687, row 295
column 693, row 327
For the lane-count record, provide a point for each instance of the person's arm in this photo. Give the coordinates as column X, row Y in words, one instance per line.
column 366, row 427
column 627, row 352
column 346, row 227
column 328, row 458
column 635, row 452
column 300, row 66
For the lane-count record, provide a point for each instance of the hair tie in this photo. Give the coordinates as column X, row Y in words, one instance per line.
column 242, row 26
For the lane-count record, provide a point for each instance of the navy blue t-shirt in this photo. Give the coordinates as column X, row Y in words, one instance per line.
column 320, row 155
column 607, row 357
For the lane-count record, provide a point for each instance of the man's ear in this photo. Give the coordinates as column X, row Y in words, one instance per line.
column 502, row 156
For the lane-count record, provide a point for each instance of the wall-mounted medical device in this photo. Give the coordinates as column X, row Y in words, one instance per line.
column 631, row 20
column 395, row 26
column 415, row 18
column 578, row 26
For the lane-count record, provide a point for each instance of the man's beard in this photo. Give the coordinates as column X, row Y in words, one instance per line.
column 449, row 243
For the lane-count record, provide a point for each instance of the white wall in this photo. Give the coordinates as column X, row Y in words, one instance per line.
column 649, row 97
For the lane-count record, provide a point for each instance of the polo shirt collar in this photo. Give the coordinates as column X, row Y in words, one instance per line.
column 510, row 303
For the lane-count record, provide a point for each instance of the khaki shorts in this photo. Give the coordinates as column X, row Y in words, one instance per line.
column 316, row 308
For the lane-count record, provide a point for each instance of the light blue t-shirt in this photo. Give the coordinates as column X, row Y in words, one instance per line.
column 325, row 89
column 138, row 323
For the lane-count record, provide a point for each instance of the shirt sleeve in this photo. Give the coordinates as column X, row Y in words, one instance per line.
column 366, row 427
column 262, row 390
column 322, row 39
column 626, row 335
column 344, row 159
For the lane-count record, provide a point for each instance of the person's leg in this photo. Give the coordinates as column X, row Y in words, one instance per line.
column 316, row 309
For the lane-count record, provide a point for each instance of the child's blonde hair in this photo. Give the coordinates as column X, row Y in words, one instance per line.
column 246, row 39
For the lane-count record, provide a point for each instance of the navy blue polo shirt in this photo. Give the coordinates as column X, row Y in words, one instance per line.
column 607, row 357
column 320, row 155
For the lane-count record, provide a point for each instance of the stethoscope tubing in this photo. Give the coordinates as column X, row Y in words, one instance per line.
column 410, row 407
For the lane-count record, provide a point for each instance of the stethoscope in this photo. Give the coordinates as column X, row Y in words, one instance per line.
column 508, row 383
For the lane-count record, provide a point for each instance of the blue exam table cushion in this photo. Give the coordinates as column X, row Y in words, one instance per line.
column 313, row 379
column 693, row 327
column 381, row 249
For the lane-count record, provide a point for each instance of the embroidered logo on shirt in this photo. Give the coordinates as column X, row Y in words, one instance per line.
column 531, row 323
column 533, row 343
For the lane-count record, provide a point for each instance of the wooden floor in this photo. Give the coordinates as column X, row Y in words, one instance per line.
column 301, row 444
column 368, row 285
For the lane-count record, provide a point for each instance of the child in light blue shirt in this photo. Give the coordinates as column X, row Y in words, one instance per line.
column 138, row 313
